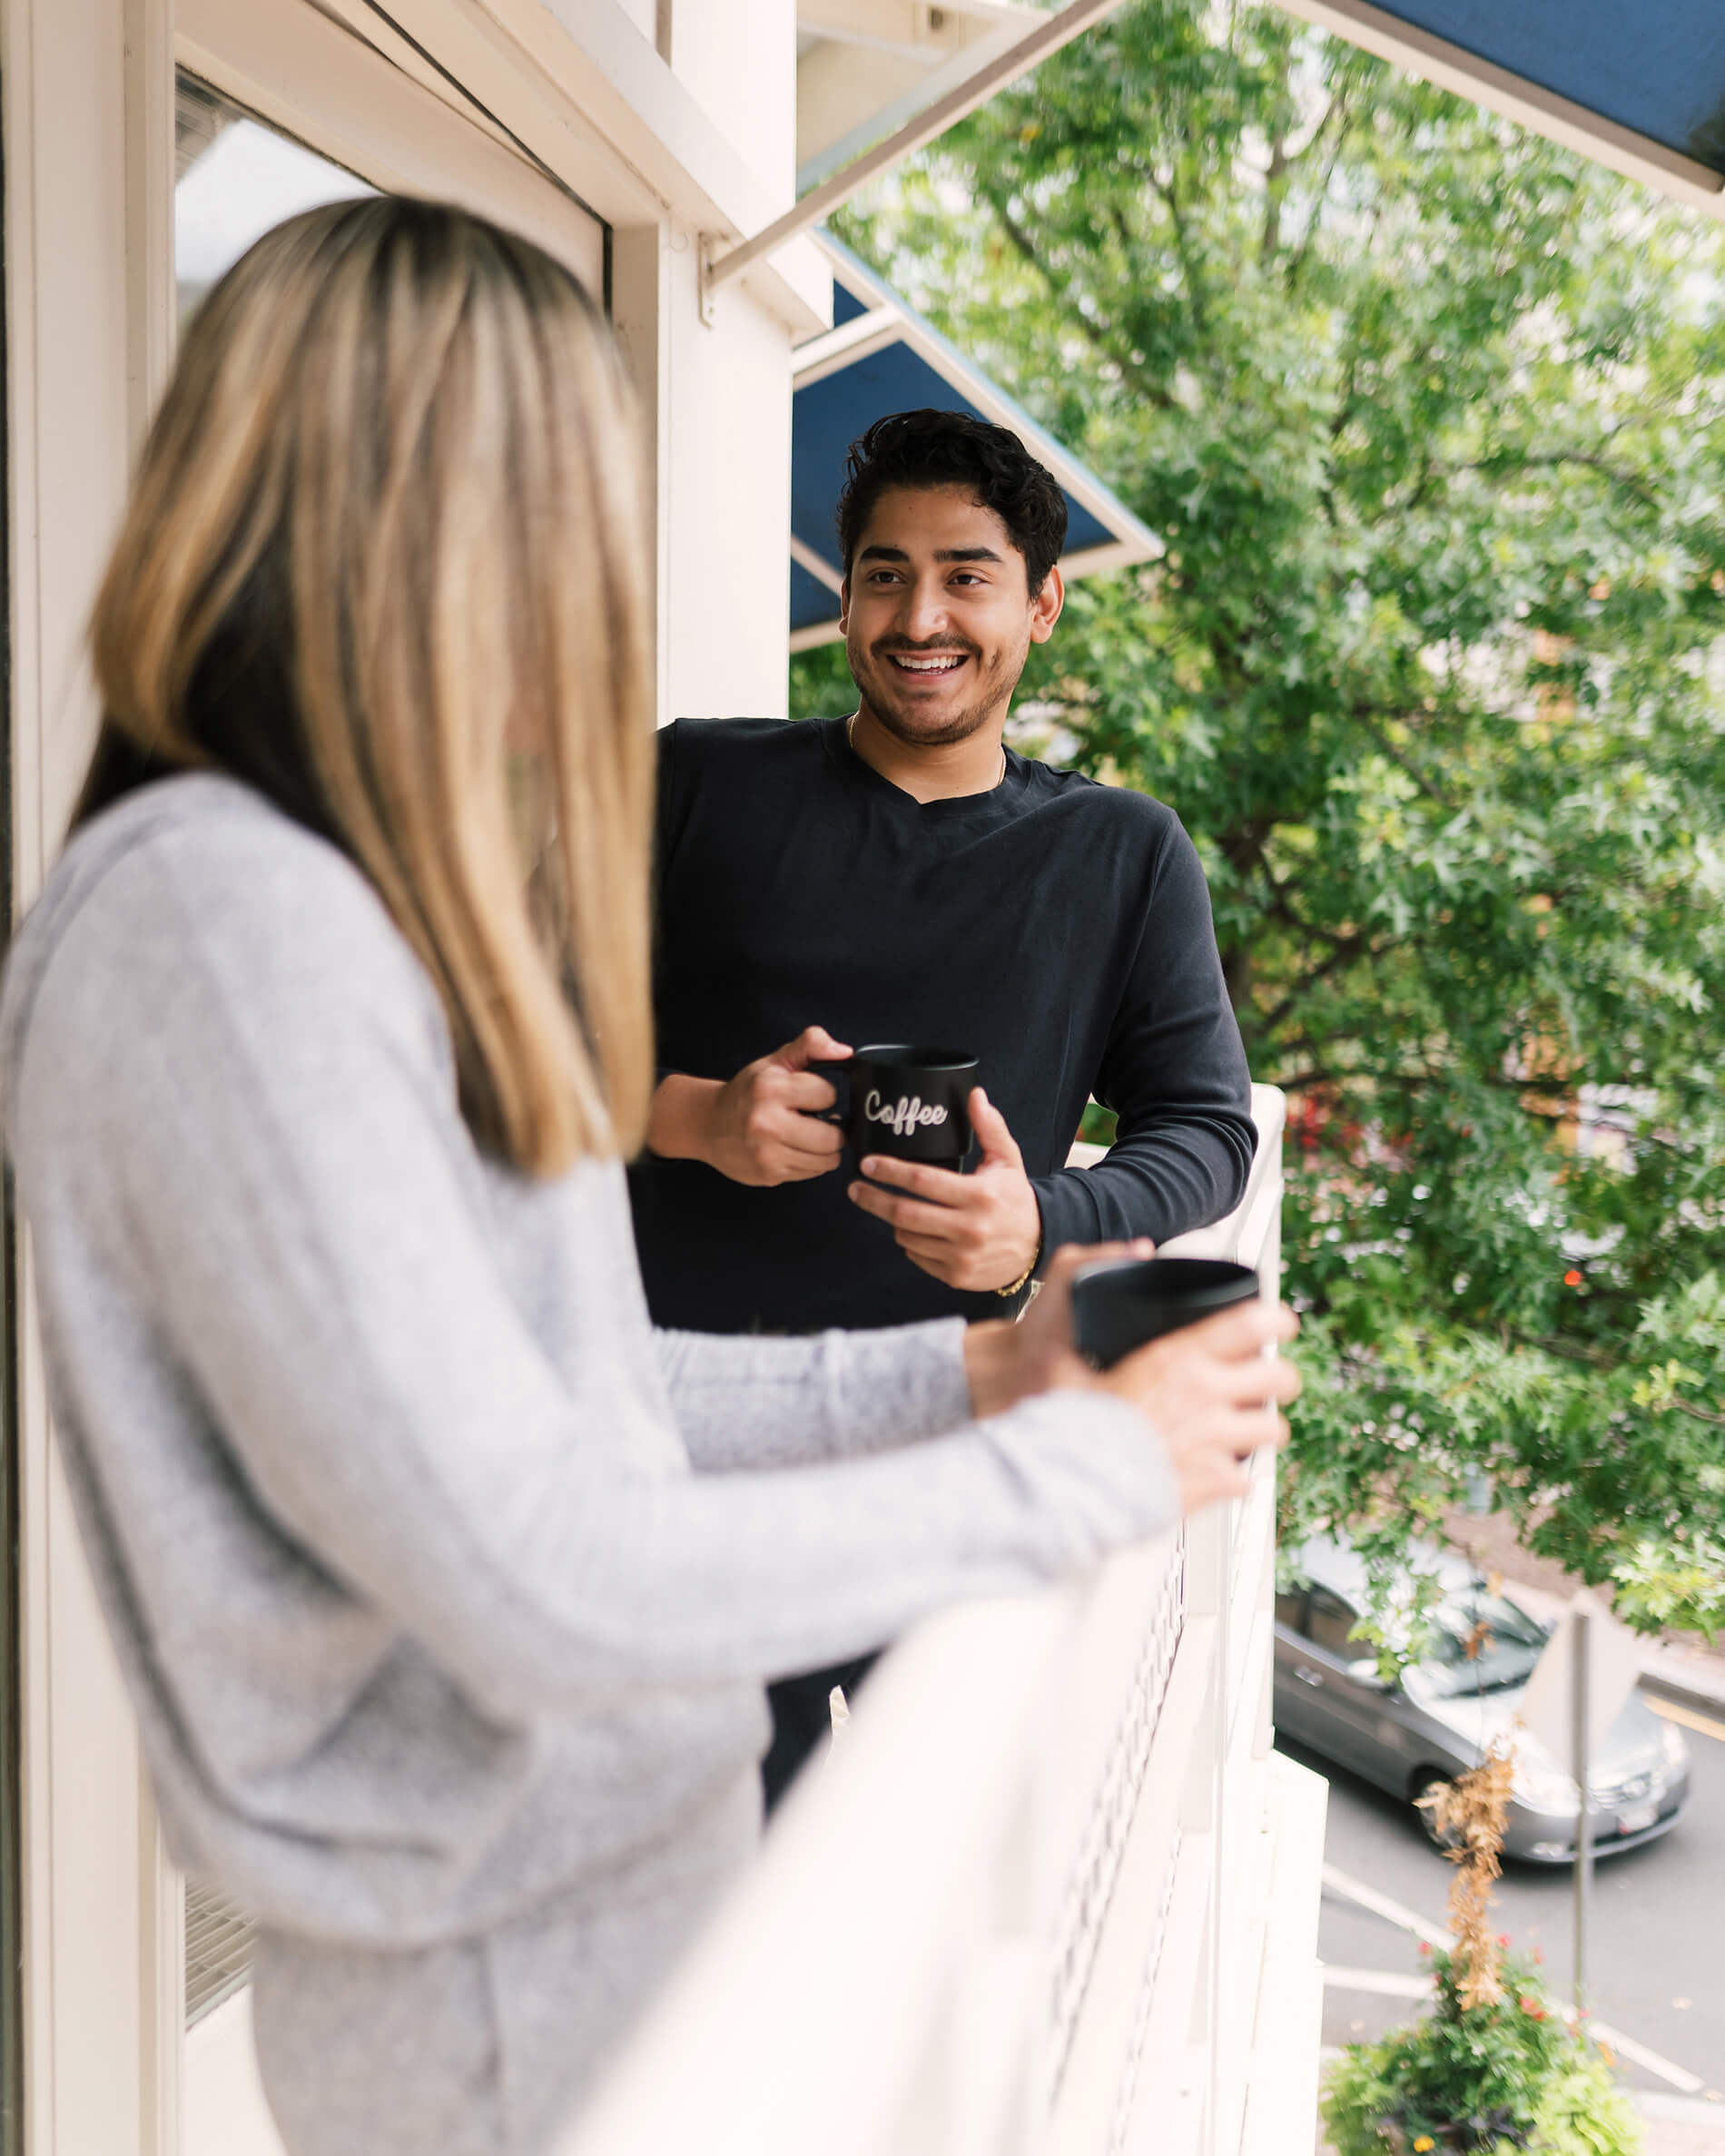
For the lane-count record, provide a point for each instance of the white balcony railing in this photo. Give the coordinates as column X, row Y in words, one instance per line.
column 1052, row 1895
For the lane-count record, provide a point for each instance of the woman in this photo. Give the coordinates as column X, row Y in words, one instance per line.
column 445, row 1591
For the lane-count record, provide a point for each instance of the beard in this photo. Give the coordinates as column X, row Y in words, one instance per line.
column 900, row 711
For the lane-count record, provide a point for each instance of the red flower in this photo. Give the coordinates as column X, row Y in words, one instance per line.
column 1425, row 1946
column 1532, row 2008
column 1539, row 1955
column 1571, row 1278
column 1502, row 1938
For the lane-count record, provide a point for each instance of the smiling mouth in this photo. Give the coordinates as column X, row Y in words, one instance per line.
column 927, row 665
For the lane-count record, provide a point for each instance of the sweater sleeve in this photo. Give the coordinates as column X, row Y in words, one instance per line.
column 241, row 1086
column 1174, row 1071
column 751, row 1401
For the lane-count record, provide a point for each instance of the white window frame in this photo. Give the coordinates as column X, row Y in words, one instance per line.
column 293, row 67
column 88, row 140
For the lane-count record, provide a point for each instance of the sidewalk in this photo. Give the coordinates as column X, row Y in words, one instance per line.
column 1691, row 1675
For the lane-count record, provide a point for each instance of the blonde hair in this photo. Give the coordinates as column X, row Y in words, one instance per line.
column 393, row 489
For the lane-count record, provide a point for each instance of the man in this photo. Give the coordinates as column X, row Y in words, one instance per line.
column 902, row 875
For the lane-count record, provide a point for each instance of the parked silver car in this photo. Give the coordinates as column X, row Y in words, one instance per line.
column 1439, row 1717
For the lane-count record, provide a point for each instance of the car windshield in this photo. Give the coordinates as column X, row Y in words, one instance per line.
column 1480, row 1643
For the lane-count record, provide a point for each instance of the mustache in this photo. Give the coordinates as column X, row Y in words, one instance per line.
column 941, row 647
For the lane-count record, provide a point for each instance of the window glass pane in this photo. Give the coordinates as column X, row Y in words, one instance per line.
column 234, row 179
column 1290, row 1609
column 1328, row 1622
column 1481, row 1643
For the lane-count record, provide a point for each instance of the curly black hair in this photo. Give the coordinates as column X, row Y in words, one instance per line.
column 931, row 448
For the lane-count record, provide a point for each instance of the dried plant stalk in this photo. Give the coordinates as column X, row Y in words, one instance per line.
column 1469, row 1815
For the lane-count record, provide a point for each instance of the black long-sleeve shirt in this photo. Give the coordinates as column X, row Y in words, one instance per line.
column 1057, row 928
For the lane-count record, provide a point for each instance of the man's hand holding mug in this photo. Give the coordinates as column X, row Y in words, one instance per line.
column 780, row 1119
column 979, row 1231
column 764, row 1126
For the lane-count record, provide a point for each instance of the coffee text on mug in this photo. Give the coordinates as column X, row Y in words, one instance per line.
column 901, row 1116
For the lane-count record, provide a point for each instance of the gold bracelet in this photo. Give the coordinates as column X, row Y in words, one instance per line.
column 1024, row 1279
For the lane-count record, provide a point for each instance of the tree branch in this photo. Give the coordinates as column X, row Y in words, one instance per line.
column 1100, row 334
column 1503, row 466
column 1270, row 238
column 1182, row 247
column 1371, row 720
column 1345, row 947
column 1338, row 108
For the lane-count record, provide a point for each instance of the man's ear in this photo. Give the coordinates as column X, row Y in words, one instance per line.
column 844, row 605
column 1045, row 608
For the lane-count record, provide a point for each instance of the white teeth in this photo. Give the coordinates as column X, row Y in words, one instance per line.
column 928, row 666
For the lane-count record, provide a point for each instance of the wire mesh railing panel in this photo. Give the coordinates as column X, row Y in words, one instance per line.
column 219, row 1943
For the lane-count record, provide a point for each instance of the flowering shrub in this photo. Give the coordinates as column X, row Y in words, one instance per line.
column 1503, row 2075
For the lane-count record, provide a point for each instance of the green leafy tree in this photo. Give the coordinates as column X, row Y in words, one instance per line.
column 1430, row 417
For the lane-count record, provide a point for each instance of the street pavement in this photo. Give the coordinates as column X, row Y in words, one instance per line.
column 1658, row 1917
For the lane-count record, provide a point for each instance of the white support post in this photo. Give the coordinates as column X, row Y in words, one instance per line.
column 149, row 355
column 88, row 89
column 641, row 315
column 86, row 1838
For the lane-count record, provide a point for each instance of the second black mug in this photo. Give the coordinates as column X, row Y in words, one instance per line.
column 1119, row 1304
column 903, row 1101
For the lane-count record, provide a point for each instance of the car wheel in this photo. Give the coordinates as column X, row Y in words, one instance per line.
column 1422, row 1786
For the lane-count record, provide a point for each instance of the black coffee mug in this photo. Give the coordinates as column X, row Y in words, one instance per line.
column 1122, row 1303
column 903, row 1101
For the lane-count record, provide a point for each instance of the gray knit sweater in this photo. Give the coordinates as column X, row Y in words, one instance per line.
column 441, row 1583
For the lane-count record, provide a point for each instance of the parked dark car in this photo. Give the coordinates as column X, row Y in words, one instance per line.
column 1437, row 1719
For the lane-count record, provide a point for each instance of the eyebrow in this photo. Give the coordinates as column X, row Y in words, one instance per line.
column 945, row 554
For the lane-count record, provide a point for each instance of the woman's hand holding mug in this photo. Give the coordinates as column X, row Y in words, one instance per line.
column 1207, row 1390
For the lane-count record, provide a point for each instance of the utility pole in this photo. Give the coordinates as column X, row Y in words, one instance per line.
column 1582, row 1736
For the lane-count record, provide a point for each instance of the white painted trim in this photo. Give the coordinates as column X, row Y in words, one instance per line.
column 1007, row 25
column 577, row 81
column 226, row 2112
column 885, row 323
column 1135, row 536
column 149, row 176
column 843, row 345
column 1020, row 1884
column 1436, row 60
column 150, row 340
column 367, row 23
column 1053, row 32
column 860, row 23
column 953, row 1700
column 821, row 570
column 993, row 404
column 1383, row 1984
column 1091, row 561
column 162, row 1983
column 299, row 71
column 89, row 165
column 641, row 316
